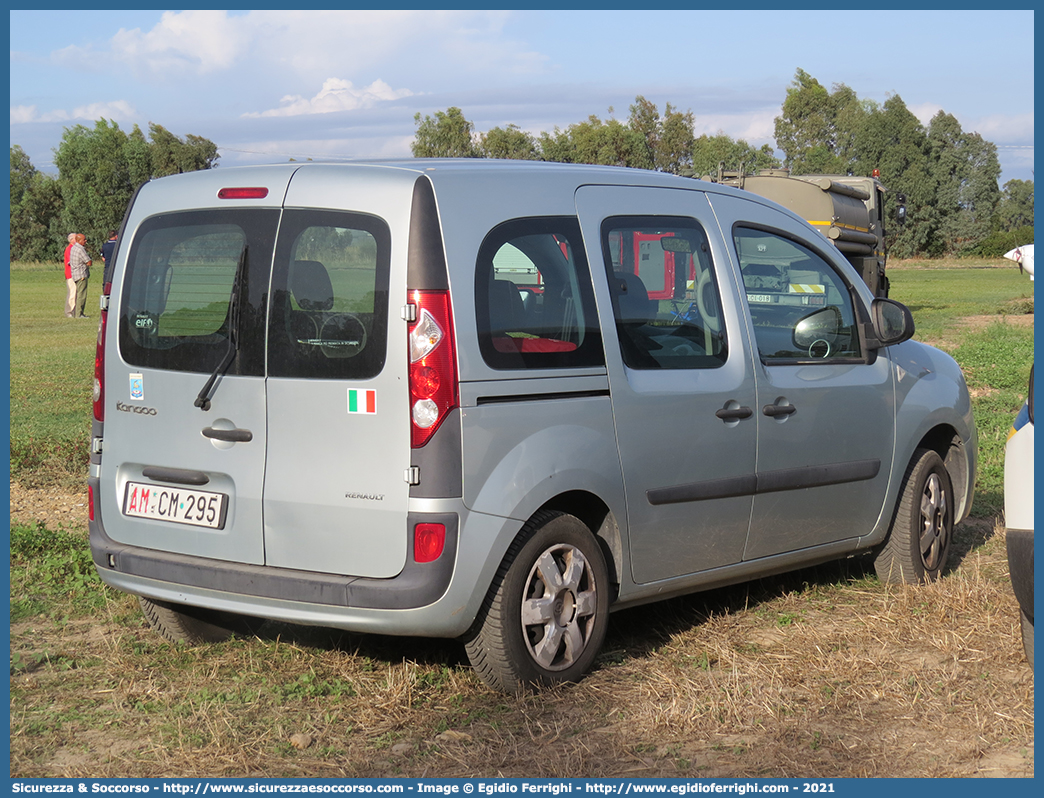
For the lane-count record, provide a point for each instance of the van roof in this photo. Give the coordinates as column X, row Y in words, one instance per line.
column 617, row 175
column 453, row 175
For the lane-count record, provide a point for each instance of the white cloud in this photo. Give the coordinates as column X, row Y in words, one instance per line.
column 1003, row 128
column 118, row 111
column 755, row 128
column 195, row 41
column 924, row 112
column 312, row 44
column 22, row 114
column 998, row 128
column 335, row 95
column 317, row 149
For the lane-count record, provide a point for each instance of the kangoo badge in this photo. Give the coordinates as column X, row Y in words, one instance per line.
column 137, row 387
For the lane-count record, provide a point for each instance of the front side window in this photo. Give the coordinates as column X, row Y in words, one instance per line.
column 534, row 304
column 665, row 295
column 188, row 277
column 801, row 308
column 329, row 309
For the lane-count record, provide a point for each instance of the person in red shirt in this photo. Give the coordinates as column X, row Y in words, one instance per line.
column 70, row 298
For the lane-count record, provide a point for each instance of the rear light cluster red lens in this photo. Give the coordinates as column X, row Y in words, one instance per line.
column 433, row 364
column 428, row 542
column 99, row 359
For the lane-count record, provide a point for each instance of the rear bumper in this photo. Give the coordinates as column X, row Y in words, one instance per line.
column 409, row 603
column 1020, row 566
column 418, row 585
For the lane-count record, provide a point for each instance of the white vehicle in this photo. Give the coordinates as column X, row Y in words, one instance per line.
column 1018, row 515
column 1023, row 256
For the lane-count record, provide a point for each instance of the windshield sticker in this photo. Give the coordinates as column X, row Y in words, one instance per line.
column 137, row 388
column 362, row 402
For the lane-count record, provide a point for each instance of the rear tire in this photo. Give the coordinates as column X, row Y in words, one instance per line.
column 545, row 616
column 180, row 623
column 918, row 543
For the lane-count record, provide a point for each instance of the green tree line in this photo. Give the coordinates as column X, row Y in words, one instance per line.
column 948, row 176
column 99, row 169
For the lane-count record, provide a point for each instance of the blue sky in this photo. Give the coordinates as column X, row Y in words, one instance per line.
column 266, row 86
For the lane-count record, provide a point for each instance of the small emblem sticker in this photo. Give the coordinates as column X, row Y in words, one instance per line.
column 137, row 387
column 362, row 402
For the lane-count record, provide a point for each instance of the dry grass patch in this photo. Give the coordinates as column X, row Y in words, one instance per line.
column 820, row 673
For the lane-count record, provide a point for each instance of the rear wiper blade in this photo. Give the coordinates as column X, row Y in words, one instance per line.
column 203, row 398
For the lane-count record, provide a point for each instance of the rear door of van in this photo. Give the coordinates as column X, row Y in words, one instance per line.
column 183, row 455
column 338, row 447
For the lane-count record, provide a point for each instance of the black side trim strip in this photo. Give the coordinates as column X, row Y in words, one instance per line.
column 817, row 476
column 701, row 491
column 179, row 475
column 539, row 397
column 768, row 482
column 417, row 585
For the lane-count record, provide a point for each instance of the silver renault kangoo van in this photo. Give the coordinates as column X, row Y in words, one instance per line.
column 495, row 401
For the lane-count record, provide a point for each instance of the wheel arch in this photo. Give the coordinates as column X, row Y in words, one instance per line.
column 596, row 515
column 945, row 441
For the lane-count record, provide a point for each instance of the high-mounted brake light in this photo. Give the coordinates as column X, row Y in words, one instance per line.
column 246, row 192
column 433, row 364
column 99, row 356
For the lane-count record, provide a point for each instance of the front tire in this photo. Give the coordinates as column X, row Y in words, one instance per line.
column 918, row 543
column 193, row 626
column 546, row 613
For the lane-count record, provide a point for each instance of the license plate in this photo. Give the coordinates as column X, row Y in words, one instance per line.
column 178, row 505
column 761, row 298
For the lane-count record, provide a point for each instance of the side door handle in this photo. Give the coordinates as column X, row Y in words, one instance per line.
column 230, row 435
column 772, row 411
column 733, row 413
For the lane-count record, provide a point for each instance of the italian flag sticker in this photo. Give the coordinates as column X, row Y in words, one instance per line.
column 362, row 401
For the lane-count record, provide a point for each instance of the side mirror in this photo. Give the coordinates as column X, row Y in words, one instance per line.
column 893, row 322
column 900, row 212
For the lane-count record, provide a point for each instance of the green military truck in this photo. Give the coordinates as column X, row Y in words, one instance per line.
column 848, row 210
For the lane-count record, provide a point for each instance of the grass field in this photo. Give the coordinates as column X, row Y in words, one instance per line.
column 821, row 673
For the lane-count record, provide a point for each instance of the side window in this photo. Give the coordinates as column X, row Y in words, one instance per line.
column 329, row 310
column 801, row 307
column 534, row 304
column 176, row 301
column 665, row 295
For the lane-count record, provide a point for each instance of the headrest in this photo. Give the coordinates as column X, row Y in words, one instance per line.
column 310, row 284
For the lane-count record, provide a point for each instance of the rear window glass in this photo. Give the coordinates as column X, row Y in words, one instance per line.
column 533, row 297
column 329, row 311
column 178, row 288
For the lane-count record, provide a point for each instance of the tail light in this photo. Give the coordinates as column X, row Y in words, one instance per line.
column 433, row 364
column 99, row 357
column 429, row 540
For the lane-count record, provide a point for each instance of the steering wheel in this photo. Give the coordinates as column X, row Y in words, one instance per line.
column 685, row 349
column 342, row 335
column 819, row 349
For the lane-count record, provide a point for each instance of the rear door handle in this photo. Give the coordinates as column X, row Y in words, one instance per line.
column 734, row 413
column 778, row 410
column 230, row 435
